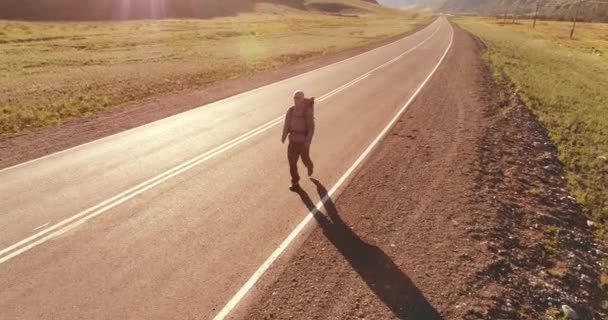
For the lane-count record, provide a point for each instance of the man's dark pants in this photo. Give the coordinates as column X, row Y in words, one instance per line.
column 295, row 150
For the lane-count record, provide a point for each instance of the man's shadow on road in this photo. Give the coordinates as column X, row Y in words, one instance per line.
column 379, row 272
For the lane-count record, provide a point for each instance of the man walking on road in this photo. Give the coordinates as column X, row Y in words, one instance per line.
column 300, row 127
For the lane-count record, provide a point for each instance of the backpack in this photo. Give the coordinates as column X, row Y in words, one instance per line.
column 310, row 102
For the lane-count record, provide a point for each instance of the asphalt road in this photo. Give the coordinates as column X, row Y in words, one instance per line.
column 170, row 219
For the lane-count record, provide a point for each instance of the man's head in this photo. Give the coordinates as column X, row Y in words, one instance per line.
column 298, row 97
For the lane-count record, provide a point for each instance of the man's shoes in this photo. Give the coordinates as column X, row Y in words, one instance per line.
column 294, row 187
column 310, row 171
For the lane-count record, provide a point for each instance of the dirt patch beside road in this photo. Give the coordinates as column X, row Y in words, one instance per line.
column 543, row 251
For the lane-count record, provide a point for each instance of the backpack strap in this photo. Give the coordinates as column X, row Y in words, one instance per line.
column 289, row 116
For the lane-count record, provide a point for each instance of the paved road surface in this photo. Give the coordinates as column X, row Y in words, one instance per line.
column 170, row 219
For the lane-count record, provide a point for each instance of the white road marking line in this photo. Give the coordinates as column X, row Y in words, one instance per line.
column 134, row 190
column 41, row 226
column 78, row 219
column 103, row 206
column 343, row 87
column 270, row 260
column 210, row 104
column 83, row 216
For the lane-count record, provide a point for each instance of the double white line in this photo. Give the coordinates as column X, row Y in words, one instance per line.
column 74, row 221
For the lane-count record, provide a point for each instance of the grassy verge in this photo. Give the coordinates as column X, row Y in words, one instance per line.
column 52, row 72
column 565, row 83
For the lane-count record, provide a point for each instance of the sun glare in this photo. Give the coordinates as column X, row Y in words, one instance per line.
column 157, row 8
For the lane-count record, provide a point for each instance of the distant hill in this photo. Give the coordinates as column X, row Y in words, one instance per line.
column 432, row 4
column 332, row 6
column 119, row 9
column 596, row 10
column 158, row 9
column 550, row 9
